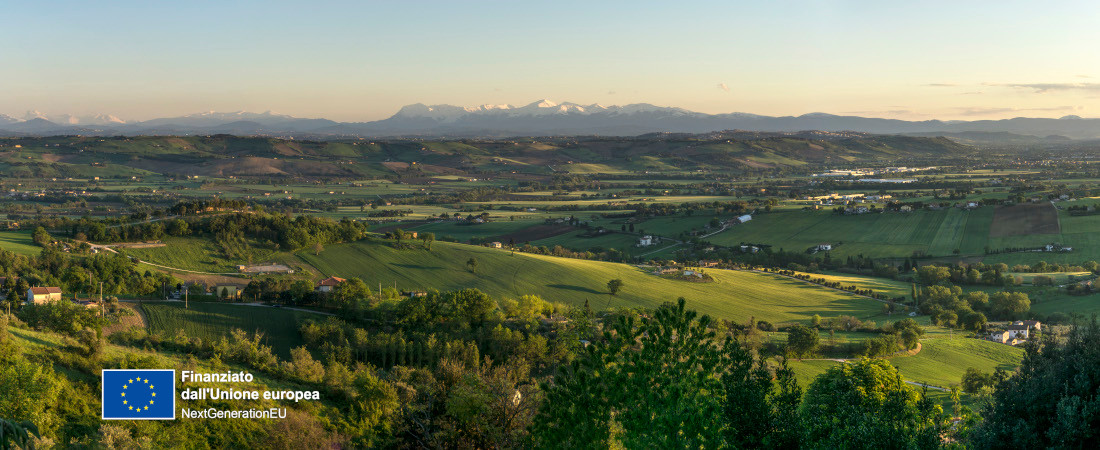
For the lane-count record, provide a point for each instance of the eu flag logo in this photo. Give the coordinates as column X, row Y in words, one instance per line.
column 139, row 394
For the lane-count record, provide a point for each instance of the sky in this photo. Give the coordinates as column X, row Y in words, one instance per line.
column 363, row 60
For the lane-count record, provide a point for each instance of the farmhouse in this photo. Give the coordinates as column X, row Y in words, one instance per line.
column 645, row 241
column 744, row 218
column 496, row 245
column 1018, row 331
column 999, row 336
column 40, row 295
column 328, row 284
column 1035, row 324
column 824, row 247
column 749, row 249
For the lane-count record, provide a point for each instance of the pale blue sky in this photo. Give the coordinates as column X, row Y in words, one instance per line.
column 363, row 60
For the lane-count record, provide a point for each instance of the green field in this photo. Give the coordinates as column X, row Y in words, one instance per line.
column 198, row 254
column 1079, row 232
column 873, row 235
column 886, row 286
column 735, row 295
column 942, row 361
column 19, row 242
column 211, row 321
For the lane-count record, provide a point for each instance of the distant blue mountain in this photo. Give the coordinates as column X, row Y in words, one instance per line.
column 546, row 118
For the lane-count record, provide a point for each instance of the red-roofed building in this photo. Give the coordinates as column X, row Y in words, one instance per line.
column 328, row 284
column 40, row 295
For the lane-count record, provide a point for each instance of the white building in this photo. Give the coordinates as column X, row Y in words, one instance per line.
column 744, row 218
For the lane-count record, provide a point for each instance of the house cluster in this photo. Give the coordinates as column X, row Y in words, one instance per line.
column 1016, row 332
column 820, row 248
column 870, row 172
column 1056, row 248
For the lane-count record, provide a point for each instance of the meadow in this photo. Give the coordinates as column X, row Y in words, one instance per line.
column 735, row 295
column 943, row 360
column 19, row 242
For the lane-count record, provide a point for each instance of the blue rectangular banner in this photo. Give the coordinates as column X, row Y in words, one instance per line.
column 139, row 394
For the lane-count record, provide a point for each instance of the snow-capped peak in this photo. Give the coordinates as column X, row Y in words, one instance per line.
column 71, row 119
column 544, row 107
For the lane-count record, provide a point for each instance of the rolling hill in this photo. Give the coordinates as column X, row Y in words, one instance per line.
column 734, row 295
column 226, row 155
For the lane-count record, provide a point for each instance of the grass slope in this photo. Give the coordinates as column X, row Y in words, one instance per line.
column 942, row 361
column 735, row 295
column 211, row 321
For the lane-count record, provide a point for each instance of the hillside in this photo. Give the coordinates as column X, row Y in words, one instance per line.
column 225, row 155
column 734, row 295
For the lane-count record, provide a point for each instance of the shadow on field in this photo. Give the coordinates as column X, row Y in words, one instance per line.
column 575, row 288
column 419, row 266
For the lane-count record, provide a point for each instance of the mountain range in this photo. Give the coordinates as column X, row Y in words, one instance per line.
column 540, row 118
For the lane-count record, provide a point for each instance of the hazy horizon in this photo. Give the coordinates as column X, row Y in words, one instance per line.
column 354, row 62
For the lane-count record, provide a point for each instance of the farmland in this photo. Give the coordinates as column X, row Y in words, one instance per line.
column 873, row 235
column 213, row 321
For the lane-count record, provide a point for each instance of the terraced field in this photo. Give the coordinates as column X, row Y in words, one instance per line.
column 734, row 295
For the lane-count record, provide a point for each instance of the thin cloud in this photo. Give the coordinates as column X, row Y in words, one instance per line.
column 723, row 87
column 885, row 112
column 941, row 85
column 985, row 111
column 973, row 93
column 1041, row 88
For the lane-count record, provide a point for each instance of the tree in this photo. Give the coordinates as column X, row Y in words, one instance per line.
column 1052, row 399
column 973, row 321
column 909, row 332
column 471, row 264
column 318, row 248
column 930, row 275
column 17, row 435
column 41, row 237
column 865, row 404
column 710, row 392
column 1009, row 305
column 802, row 340
column 428, row 238
column 614, row 286
column 973, row 380
column 350, row 293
